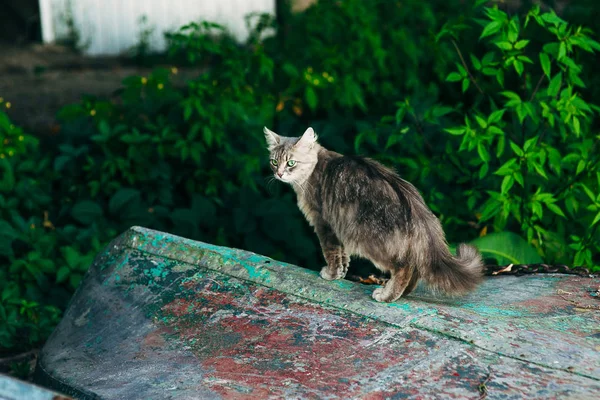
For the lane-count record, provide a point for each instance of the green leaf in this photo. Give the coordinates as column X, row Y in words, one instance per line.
column 529, row 143
column 495, row 130
column 491, row 28
column 501, row 145
column 7, row 183
column 71, row 255
column 518, row 151
column 440, row 111
column 482, row 122
column 536, row 207
column 392, row 140
column 7, row 232
column 538, row 168
column 562, row 51
column 122, row 199
column 576, row 126
column 455, row 131
column 500, row 77
column 488, row 58
column 507, row 247
column 496, row 116
column 311, row 98
column 519, row 178
column 545, row 61
column 74, row 280
column 555, row 209
column 518, row 67
column 596, row 220
column 476, row 63
column 588, row 192
column 507, row 167
column 504, row 45
column 489, row 71
column 521, row 44
column 465, row 84
column 580, row 167
column 86, row 212
column 207, row 135
column 485, row 167
column 483, row 153
column 60, row 162
column 507, row 183
column 521, row 112
column 525, row 59
column 511, row 95
column 7, row 235
column 555, row 84
column 555, row 159
column 290, row 69
column 63, row 274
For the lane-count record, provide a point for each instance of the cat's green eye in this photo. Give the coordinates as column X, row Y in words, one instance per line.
column 274, row 162
column 291, row 163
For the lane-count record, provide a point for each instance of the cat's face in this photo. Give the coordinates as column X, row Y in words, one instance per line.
column 292, row 159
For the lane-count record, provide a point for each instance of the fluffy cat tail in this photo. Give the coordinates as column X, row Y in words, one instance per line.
column 453, row 275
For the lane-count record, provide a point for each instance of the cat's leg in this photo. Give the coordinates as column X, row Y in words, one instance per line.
column 414, row 279
column 345, row 260
column 332, row 251
column 396, row 286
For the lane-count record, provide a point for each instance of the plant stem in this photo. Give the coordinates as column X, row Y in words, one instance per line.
column 466, row 67
column 537, row 87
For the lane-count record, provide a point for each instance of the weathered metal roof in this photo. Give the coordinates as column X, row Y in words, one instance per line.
column 158, row 316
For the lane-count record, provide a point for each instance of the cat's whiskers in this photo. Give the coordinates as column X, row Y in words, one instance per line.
column 270, row 181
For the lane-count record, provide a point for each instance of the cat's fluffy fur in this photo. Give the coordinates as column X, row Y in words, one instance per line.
column 359, row 207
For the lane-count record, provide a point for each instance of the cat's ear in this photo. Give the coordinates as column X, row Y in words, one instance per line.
column 273, row 139
column 309, row 137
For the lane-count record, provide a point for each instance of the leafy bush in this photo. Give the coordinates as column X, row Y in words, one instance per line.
column 522, row 153
column 512, row 143
column 28, row 295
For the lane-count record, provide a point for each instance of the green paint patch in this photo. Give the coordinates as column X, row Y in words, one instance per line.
column 159, row 271
column 123, row 263
column 344, row 284
column 256, row 272
column 489, row 311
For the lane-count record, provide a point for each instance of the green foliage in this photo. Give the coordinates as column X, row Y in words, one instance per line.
column 513, row 143
column 27, row 253
column 507, row 248
column 521, row 151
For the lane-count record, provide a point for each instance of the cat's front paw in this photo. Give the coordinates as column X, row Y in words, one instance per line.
column 379, row 296
column 329, row 275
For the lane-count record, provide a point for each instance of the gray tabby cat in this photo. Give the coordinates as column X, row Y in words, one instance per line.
column 359, row 207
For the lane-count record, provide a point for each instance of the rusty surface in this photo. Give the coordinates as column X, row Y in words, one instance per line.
column 161, row 317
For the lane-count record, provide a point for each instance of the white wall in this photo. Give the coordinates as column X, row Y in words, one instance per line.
column 112, row 26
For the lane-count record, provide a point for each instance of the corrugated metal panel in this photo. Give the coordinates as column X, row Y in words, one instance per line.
column 113, row 26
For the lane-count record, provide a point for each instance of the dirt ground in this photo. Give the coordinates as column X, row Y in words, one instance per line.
column 39, row 79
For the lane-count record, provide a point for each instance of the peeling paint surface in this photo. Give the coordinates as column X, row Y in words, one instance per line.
column 162, row 317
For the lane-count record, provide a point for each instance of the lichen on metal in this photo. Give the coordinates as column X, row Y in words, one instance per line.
column 158, row 316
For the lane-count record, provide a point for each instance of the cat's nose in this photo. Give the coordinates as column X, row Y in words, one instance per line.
column 279, row 174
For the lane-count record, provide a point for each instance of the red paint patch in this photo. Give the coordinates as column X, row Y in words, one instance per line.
column 250, row 343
